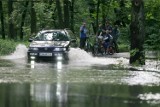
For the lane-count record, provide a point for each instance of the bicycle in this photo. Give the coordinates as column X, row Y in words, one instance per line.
column 98, row 48
column 88, row 44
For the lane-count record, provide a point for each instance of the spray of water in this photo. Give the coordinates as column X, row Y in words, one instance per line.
column 20, row 52
column 80, row 57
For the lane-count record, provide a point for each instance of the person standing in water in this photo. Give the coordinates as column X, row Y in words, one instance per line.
column 83, row 35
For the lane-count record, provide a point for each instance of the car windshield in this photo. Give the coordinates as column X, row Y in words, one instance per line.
column 52, row 36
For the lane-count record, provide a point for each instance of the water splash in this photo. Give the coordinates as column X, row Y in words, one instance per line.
column 152, row 65
column 151, row 98
column 81, row 57
column 141, row 78
column 76, row 55
column 20, row 52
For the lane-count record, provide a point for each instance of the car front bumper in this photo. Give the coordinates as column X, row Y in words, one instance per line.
column 45, row 54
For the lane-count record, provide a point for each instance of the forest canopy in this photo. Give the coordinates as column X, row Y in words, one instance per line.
column 22, row 18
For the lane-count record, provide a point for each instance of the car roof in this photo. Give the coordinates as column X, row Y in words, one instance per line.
column 51, row 30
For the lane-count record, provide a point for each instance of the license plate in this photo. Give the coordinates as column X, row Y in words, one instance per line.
column 45, row 54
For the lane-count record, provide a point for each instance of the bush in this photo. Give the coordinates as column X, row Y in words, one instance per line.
column 123, row 47
column 7, row 46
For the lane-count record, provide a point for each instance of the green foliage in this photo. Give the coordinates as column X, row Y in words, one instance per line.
column 123, row 47
column 123, row 40
column 152, row 43
column 133, row 52
column 46, row 15
column 152, row 24
column 7, row 46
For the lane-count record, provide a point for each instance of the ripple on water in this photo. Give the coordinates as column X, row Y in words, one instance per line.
column 151, row 98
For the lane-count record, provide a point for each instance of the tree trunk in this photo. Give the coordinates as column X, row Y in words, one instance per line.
column 66, row 14
column 137, row 33
column 60, row 16
column 11, row 25
column 54, row 17
column 23, row 20
column 2, row 20
column 97, row 14
column 72, row 15
column 104, row 15
column 33, row 18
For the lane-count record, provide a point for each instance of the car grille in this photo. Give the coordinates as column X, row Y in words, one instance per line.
column 46, row 49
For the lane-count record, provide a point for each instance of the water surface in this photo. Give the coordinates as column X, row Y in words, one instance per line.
column 83, row 81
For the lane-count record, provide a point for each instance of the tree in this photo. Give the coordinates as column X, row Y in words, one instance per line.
column 11, row 32
column 2, row 20
column 33, row 18
column 66, row 14
column 97, row 14
column 92, row 12
column 121, row 14
column 137, row 33
column 72, row 14
column 23, row 20
column 59, row 12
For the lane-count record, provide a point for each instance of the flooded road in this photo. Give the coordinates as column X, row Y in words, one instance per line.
column 83, row 81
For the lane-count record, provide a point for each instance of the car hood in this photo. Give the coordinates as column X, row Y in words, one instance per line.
column 49, row 43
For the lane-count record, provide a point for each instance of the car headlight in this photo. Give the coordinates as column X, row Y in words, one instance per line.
column 64, row 49
column 60, row 49
column 33, row 48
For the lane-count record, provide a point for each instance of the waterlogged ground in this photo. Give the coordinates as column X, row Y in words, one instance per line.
column 83, row 81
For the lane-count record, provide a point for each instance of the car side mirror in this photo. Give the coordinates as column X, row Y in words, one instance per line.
column 30, row 39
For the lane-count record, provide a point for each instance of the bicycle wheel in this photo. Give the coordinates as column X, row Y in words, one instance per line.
column 111, row 50
column 87, row 46
column 95, row 50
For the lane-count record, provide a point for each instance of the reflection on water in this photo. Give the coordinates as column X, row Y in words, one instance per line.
column 78, row 95
column 32, row 62
column 62, row 87
column 42, row 93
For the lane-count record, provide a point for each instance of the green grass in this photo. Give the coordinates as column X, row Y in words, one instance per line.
column 8, row 46
column 123, row 47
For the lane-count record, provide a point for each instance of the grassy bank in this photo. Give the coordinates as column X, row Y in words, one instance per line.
column 8, row 46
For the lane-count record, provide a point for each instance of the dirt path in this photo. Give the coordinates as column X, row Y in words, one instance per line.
column 118, row 55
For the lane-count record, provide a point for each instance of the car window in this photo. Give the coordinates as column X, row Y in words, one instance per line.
column 46, row 36
column 52, row 36
column 59, row 36
column 71, row 34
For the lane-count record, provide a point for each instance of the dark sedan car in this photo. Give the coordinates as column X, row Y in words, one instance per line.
column 50, row 44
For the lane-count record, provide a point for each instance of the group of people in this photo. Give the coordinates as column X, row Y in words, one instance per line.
column 106, row 33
